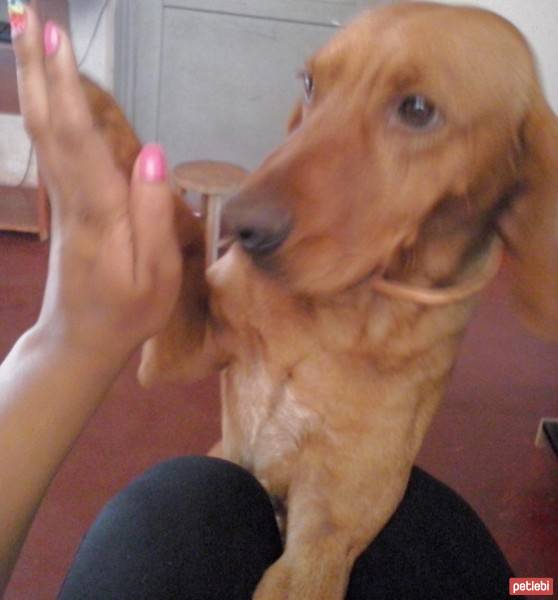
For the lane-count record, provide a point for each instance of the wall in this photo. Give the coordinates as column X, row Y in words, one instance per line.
column 217, row 78
column 538, row 20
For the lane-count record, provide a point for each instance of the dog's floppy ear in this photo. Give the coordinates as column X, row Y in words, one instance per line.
column 295, row 119
column 176, row 352
column 113, row 125
column 531, row 226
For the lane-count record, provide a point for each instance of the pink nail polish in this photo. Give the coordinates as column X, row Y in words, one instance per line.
column 51, row 38
column 153, row 163
column 17, row 11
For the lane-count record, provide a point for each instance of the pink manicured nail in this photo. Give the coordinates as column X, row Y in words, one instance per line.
column 51, row 38
column 153, row 163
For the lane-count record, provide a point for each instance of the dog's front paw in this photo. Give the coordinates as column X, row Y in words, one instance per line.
column 301, row 579
column 275, row 583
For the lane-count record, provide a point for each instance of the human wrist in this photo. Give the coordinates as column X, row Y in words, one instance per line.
column 102, row 361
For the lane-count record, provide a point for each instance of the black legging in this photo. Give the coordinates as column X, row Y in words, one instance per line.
column 199, row 528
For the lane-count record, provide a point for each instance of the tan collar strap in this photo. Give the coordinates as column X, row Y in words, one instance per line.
column 446, row 295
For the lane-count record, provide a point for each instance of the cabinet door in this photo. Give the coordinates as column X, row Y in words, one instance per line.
column 216, row 79
column 228, row 83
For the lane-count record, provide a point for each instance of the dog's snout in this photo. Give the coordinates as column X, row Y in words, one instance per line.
column 260, row 227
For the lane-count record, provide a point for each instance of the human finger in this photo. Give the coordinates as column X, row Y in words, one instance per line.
column 76, row 143
column 70, row 116
column 152, row 216
column 27, row 42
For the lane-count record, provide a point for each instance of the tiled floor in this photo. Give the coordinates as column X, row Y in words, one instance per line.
column 481, row 442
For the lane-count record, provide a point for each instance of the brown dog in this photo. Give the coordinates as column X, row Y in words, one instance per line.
column 362, row 242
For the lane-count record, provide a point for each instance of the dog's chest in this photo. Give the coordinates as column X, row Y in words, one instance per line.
column 265, row 413
column 264, row 420
column 295, row 373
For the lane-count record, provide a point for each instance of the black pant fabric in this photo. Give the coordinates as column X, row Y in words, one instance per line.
column 197, row 528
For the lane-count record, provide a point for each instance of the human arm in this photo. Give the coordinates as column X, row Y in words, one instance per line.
column 113, row 278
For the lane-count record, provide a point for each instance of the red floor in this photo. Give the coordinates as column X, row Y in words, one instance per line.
column 481, row 442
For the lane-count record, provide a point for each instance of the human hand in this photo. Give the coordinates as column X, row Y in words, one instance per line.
column 114, row 268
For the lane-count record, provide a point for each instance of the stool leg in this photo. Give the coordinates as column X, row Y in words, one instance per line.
column 212, row 231
column 204, row 206
column 43, row 212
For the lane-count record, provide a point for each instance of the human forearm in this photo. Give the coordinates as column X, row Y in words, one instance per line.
column 48, row 392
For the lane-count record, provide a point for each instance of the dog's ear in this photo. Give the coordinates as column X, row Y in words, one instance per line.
column 113, row 125
column 531, row 226
column 295, row 118
column 173, row 353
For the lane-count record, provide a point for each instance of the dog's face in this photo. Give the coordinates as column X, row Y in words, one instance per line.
column 410, row 108
column 420, row 123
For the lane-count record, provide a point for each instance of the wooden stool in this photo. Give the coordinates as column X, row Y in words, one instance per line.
column 214, row 180
column 25, row 209
column 43, row 212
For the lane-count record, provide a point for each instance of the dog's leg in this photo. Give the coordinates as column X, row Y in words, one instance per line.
column 216, row 451
column 338, row 502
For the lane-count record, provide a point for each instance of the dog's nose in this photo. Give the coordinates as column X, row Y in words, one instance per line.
column 259, row 227
column 260, row 241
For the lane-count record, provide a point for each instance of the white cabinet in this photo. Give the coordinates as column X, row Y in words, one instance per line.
column 217, row 78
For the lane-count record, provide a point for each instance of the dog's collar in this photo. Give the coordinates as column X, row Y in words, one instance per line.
column 445, row 295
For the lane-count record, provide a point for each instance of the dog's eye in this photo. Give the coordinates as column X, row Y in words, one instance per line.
column 417, row 112
column 308, row 82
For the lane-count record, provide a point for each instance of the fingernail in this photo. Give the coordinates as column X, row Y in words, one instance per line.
column 153, row 163
column 18, row 16
column 51, row 38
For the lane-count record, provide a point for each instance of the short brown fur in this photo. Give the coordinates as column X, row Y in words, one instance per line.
column 329, row 387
